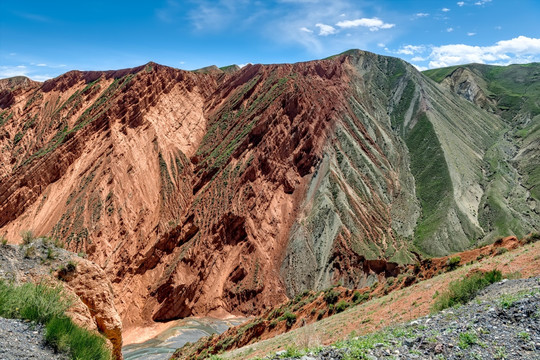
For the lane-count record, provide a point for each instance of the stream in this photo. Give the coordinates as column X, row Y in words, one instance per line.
column 163, row 345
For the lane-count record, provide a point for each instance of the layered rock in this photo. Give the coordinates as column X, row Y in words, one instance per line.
column 227, row 190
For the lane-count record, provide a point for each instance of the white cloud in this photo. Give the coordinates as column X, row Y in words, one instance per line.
column 482, row 2
column 460, row 3
column 10, row 71
column 418, row 58
column 374, row 24
column 411, row 49
column 381, row 45
column 471, row 33
column 518, row 50
column 449, row 29
column 41, row 77
column 305, row 29
column 419, row 67
column 422, row 14
column 325, row 30
column 445, row 9
column 41, row 65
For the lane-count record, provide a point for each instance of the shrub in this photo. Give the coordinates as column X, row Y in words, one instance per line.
column 290, row 318
column 462, row 291
column 359, row 297
column 331, row 296
column 27, row 236
column 67, row 269
column 275, row 313
column 532, row 237
column 3, row 240
column 453, row 262
column 501, row 251
column 58, row 243
column 30, row 252
column 342, row 305
column 321, row 314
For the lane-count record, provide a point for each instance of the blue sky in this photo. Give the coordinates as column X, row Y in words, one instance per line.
column 42, row 39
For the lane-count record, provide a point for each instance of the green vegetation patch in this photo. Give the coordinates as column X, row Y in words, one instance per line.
column 47, row 305
column 432, row 178
column 5, row 117
column 462, row 291
column 439, row 75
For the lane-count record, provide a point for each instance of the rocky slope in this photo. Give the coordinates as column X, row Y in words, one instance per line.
column 20, row 340
column 227, row 190
column 93, row 298
column 502, row 323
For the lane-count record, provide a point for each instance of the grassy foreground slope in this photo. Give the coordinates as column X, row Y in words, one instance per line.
column 47, row 305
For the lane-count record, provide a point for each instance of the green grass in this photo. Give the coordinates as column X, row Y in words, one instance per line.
column 359, row 348
column 65, row 336
column 292, row 352
column 438, row 75
column 515, row 88
column 467, row 339
column 462, row 291
column 27, row 236
column 44, row 304
column 432, row 178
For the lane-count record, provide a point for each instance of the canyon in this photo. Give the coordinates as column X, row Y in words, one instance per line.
column 227, row 191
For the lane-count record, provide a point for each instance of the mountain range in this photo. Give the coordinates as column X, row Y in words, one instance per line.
column 228, row 190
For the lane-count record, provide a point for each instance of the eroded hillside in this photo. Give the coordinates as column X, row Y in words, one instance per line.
column 224, row 191
column 510, row 204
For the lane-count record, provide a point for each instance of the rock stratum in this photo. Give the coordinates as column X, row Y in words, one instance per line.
column 227, row 190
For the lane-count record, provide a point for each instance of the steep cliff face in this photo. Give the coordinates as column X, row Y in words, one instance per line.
column 223, row 190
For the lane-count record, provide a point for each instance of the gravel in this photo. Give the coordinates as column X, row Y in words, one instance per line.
column 23, row 340
column 502, row 322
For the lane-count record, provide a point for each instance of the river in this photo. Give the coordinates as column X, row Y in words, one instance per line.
column 163, row 345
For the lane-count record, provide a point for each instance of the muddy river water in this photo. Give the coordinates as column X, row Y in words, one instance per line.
column 163, row 345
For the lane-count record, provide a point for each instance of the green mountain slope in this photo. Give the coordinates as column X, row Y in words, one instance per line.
column 510, row 204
